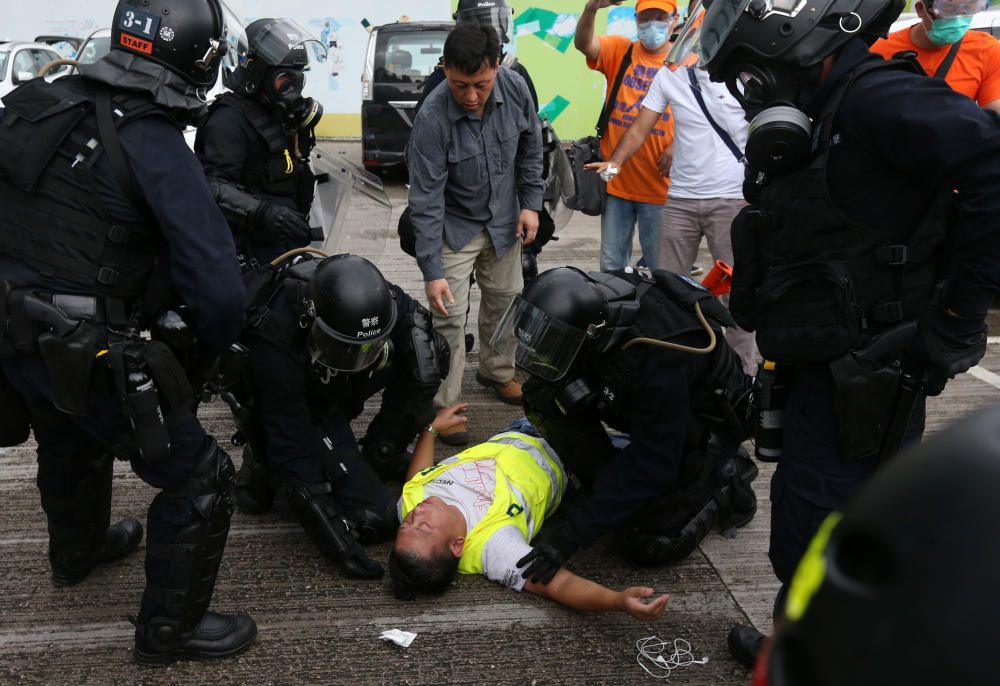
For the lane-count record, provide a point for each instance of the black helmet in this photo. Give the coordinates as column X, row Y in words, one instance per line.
column 495, row 13
column 273, row 42
column 355, row 311
column 189, row 37
column 725, row 35
column 902, row 589
column 547, row 324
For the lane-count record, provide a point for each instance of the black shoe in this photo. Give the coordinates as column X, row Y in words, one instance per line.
column 254, row 494
column 119, row 540
column 161, row 641
column 470, row 340
column 745, row 643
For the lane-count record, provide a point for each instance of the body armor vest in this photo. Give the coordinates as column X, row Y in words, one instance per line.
column 815, row 283
column 284, row 171
column 53, row 219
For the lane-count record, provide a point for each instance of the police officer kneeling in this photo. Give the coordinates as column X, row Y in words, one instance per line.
column 870, row 253
column 99, row 190
column 324, row 336
column 645, row 357
column 256, row 140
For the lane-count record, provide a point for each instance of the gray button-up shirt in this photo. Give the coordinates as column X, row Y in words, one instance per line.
column 469, row 173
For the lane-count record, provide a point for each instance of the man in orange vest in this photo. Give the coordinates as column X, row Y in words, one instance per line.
column 968, row 61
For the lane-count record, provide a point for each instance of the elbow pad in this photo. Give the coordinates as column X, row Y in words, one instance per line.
column 237, row 204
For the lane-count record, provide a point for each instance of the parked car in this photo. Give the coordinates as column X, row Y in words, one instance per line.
column 22, row 61
column 400, row 57
column 988, row 21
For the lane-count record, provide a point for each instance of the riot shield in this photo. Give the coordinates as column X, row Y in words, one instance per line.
column 559, row 181
column 351, row 206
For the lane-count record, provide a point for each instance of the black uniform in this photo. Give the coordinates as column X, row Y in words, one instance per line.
column 678, row 411
column 243, row 142
column 304, row 411
column 71, row 236
column 899, row 197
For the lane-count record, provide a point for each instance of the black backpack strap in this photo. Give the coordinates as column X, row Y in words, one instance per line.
column 949, row 59
column 108, row 131
column 602, row 123
column 726, row 138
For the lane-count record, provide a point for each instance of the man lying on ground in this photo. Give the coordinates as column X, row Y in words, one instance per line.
column 477, row 512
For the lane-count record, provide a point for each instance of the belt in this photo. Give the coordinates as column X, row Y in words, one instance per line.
column 91, row 308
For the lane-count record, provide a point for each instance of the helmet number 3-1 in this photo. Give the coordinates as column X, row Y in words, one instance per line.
column 140, row 23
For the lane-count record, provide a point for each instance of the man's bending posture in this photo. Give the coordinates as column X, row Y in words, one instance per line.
column 477, row 512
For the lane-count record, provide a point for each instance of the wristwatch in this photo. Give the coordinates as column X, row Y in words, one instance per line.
column 431, row 430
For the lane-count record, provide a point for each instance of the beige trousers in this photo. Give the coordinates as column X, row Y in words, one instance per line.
column 499, row 280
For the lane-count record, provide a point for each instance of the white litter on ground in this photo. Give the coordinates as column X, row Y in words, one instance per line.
column 653, row 659
column 400, row 638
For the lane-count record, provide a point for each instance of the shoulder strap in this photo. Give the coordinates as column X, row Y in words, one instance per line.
column 602, row 123
column 945, row 66
column 726, row 138
column 108, row 132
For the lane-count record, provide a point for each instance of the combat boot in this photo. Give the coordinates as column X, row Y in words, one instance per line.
column 71, row 566
column 254, row 492
column 745, row 643
column 163, row 640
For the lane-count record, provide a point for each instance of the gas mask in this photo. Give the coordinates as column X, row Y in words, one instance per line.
column 282, row 90
column 779, row 138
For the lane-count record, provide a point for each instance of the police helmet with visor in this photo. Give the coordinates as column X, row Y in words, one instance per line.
column 191, row 38
column 546, row 326
column 495, row 13
column 354, row 313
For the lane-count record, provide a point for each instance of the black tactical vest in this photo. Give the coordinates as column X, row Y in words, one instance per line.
column 281, row 172
column 52, row 217
column 815, row 283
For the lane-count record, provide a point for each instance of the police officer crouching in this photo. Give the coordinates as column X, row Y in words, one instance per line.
column 646, row 357
column 256, row 140
column 99, row 189
column 323, row 337
column 870, row 253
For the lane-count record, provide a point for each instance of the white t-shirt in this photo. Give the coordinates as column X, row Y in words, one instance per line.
column 703, row 165
column 470, row 488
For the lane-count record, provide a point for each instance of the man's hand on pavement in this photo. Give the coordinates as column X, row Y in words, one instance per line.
column 527, row 226
column 438, row 294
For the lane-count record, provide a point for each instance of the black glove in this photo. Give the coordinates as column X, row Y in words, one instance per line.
column 282, row 222
column 548, row 556
column 947, row 346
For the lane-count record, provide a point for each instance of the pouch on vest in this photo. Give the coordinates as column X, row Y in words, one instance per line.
column 15, row 423
column 864, row 400
column 806, row 312
column 746, row 268
column 52, row 119
column 69, row 360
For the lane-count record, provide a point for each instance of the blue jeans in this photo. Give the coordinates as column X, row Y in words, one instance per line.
column 617, row 224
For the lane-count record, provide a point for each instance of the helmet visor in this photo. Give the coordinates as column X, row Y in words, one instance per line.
column 705, row 31
column 949, row 9
column 282, row 41
column 330, row 349
column 500, row 18
column 541, row 344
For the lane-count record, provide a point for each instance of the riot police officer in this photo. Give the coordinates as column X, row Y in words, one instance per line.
column 905, row 564
column 868, row 256
column 256, row 140
column 103, row 199
column 323, row 337
column 645, row 357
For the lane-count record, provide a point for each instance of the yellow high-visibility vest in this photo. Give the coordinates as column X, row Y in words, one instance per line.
column 523, row 488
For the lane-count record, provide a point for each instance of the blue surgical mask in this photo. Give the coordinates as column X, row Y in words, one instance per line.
column 949, row 31
column 653, row 34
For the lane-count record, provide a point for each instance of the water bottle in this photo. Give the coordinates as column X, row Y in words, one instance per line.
column 142, row 400
column 769, row 425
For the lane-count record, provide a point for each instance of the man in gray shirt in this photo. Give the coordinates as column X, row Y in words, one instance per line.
column 475, row 157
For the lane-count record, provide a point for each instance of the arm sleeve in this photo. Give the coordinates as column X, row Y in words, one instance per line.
column 428, row 159
column 520, row 69
column 609, row 59
column 500, row 555
column 528, row 162
column 226, row 142
column 648, row 466
column 953, row 144
column 989, row 89
column 203, row 266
